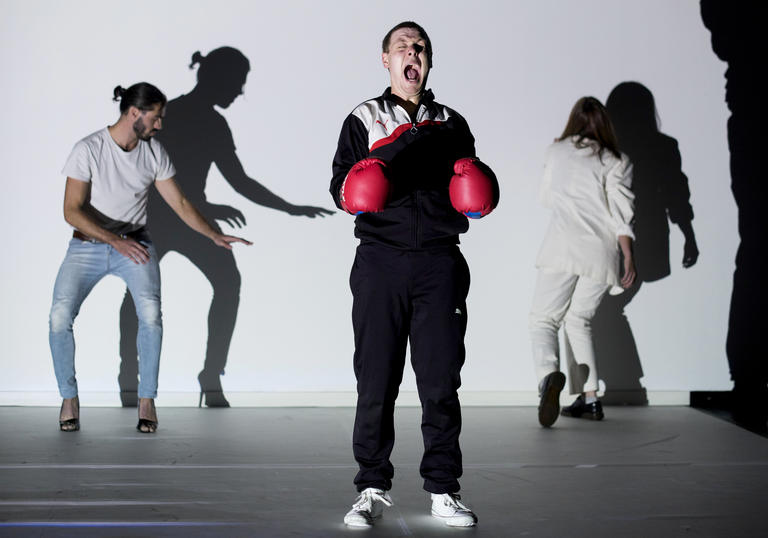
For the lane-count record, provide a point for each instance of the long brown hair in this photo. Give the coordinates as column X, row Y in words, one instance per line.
column 589, row 121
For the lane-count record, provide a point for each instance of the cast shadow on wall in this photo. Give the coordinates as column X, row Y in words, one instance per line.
column 738, row 38
column 197, row 136
column 661, row 195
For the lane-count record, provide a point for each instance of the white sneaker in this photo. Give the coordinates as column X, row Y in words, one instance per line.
column 449, row 508
column 367, row 508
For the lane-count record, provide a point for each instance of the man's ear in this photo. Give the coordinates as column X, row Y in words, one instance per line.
column 385, row 59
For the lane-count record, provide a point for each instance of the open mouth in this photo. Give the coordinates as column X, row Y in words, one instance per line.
column 411, row 73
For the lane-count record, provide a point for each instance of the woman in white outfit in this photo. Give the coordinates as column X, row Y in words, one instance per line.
column 586, row 184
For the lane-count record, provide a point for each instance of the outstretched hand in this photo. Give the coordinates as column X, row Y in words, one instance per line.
column 232, row 216
column 225, row 241
column 309, row 211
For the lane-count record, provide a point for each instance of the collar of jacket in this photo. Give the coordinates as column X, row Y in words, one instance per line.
column 427, row 97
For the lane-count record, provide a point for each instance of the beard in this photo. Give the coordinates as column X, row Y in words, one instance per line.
column 142, row 131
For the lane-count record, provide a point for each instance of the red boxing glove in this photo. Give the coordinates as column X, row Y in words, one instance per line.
column 473, row 188
column 366, row 187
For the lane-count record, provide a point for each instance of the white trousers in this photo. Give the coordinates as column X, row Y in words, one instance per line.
column 570, row 300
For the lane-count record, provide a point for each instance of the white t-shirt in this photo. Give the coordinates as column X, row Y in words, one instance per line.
column 120, row 180
column 592, row 204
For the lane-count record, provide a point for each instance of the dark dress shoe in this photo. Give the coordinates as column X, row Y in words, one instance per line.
column 549, row 404
column 581, row 409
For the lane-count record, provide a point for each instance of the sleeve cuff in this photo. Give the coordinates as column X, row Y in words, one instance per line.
column 625, row 229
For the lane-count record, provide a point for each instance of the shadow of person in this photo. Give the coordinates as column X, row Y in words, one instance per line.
column 197, row 136
column 661, row 195
column 737, row 38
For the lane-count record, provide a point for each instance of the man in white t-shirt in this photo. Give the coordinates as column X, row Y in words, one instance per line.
column 109, row 174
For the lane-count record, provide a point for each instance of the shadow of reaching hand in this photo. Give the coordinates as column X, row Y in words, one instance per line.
column 196, row 137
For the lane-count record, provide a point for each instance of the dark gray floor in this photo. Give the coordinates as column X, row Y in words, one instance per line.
column 646, row 472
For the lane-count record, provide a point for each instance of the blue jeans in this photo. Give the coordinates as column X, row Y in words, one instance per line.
column 84, row 265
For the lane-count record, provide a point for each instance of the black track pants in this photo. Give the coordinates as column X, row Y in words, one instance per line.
column 421, row 295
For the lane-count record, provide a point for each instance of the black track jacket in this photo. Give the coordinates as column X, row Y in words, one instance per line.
column 419, row 153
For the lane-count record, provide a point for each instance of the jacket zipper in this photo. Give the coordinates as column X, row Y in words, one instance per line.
column 416, row 201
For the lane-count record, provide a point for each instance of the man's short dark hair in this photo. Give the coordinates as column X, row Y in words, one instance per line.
column 415, row 26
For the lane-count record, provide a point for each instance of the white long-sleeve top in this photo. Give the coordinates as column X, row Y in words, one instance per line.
column 592, row 204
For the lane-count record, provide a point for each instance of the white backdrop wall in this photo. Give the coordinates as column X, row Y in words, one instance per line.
column 512, row 68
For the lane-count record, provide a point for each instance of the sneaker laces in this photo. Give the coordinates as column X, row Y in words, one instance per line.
column 453, row 500
column 368, row 497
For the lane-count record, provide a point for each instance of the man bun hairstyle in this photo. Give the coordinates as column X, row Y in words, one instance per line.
column 415, row 26
column 197, row 58
column 219, row 63
column 142, row 95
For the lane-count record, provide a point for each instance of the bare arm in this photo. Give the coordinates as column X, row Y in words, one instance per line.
column 625, row 242
column 171, row 193
column 75, row 195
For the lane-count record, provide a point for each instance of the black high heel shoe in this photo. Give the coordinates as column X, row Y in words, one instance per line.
column 70, row 424
column 212, row 391
column 212, row 399
column 146, row 425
